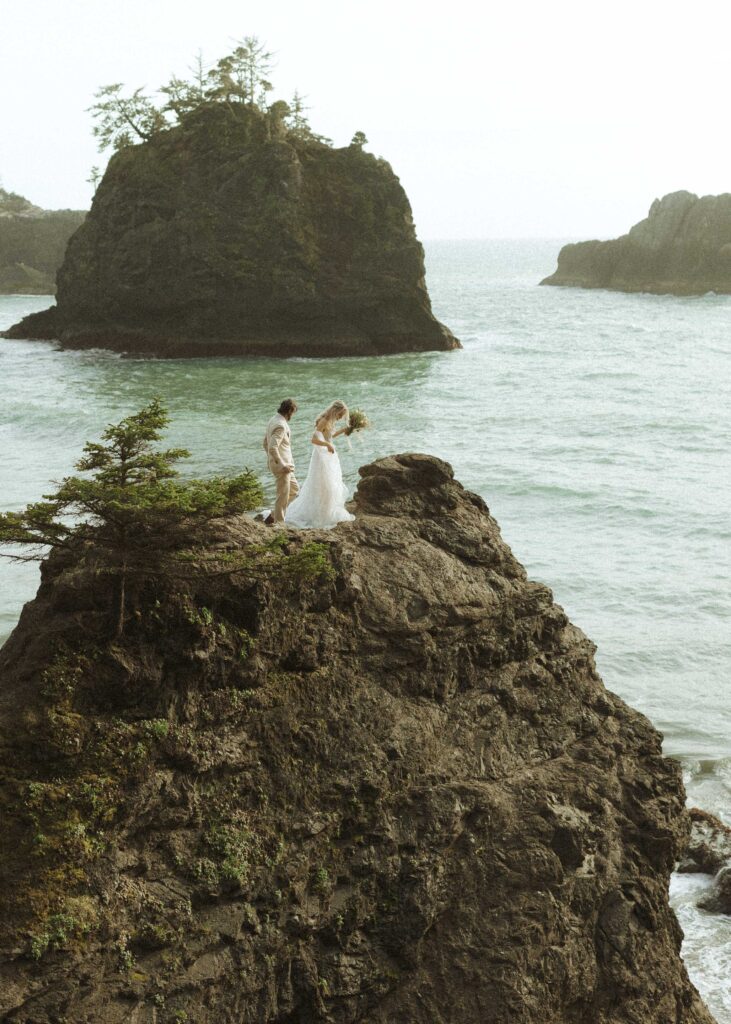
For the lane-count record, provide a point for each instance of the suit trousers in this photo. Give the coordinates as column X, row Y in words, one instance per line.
column 287, row 490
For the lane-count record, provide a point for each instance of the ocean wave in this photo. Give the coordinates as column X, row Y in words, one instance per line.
column 706, row 947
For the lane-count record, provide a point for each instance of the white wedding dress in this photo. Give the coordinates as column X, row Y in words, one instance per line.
column 320, row 503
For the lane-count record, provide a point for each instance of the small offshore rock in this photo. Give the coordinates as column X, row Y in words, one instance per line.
column 709, row 846
column 718, row 900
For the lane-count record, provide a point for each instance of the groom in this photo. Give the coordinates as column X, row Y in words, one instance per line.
column 277, row 445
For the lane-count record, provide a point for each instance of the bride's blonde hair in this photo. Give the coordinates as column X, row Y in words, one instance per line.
column 335, row 411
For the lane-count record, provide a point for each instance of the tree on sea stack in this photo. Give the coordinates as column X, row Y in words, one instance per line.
column 225, row 226
column 130, row 514
column 248, row 67
column 241, row 77
column 124, row 120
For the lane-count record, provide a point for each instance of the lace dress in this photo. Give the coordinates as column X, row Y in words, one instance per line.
column 320, row 503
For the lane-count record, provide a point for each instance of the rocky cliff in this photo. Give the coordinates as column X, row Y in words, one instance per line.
column 228, row 234
column 397, row 793
column 683, row 247
column 32, row 244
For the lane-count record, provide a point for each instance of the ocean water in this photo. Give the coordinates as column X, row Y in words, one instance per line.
column 597, row 426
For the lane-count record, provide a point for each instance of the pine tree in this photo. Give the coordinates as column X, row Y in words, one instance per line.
column 239, row 78
column 122, row 120
column 129, row 515
column 297, row 121
column 243, row 74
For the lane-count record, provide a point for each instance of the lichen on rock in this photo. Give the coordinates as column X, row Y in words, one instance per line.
column 393, row 792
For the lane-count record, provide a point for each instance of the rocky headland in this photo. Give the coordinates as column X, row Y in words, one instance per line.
column 230, row 234
column 32, row 244
column 396, row 792
column 683, row 247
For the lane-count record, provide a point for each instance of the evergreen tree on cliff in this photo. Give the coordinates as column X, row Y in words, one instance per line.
column 130, row 512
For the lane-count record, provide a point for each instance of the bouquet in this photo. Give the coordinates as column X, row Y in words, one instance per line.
column 357, row 421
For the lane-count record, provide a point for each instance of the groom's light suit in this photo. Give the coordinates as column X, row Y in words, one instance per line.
column 278, row 446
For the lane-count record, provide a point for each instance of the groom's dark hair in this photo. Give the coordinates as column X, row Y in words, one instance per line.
column 288, row 407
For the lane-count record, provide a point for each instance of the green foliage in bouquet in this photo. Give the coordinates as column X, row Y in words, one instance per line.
column 357, row 421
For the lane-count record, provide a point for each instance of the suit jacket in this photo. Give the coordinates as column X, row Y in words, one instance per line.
column 277, row 444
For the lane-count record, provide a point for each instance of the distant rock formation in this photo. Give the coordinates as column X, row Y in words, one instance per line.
column 227, row 234
column 683, row 247
column 32, row 244
column 398, row 795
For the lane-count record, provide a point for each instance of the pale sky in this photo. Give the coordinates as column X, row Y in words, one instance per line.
column 502, row 119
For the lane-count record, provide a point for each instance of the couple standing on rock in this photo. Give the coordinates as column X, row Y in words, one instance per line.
column 320, row 503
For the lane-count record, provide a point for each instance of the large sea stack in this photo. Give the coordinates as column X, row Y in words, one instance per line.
column 32, row 244
column 683, row 247
column 228, row 234
column 395, row 794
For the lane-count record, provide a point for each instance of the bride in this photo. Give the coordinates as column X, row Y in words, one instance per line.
column 320, row 503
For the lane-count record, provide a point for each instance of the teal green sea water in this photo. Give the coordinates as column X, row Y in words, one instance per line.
column 597, row 426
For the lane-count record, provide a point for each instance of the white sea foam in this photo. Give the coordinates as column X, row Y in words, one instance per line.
column 707, row 944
